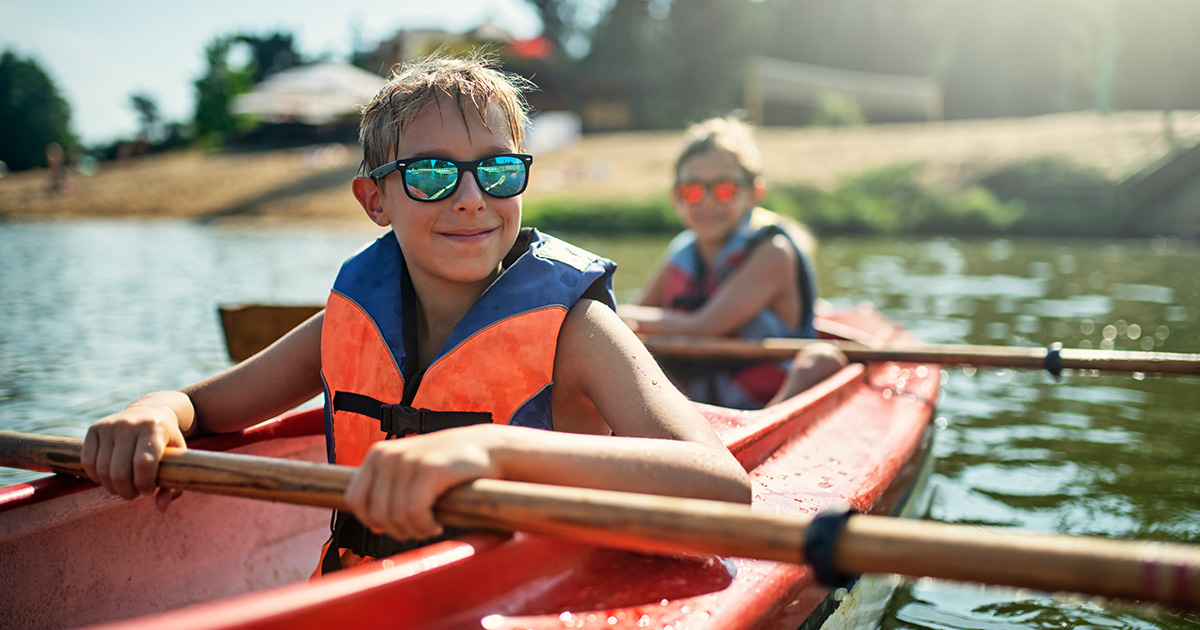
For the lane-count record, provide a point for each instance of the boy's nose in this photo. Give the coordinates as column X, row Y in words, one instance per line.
column 469, row 196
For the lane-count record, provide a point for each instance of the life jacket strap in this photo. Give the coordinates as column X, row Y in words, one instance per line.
column 405, row 420
column 349, row 533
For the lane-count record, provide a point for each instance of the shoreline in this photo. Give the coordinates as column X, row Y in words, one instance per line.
column 312, row 184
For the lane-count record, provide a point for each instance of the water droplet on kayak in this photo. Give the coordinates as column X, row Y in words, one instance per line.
column 612, row 621
column 644, row 621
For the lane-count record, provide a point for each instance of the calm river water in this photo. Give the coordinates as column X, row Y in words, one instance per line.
column 95, row 313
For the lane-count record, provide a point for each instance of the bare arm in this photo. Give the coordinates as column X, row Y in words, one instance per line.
column 662, row 444
column 285, row 374
column 766, row 280
column 121, row 451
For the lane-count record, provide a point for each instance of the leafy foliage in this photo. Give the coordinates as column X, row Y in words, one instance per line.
column 32, row 114
column 213, row 122
column 1060, row 196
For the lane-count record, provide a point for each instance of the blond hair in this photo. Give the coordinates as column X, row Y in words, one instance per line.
column 727, row 133
column 472, row 80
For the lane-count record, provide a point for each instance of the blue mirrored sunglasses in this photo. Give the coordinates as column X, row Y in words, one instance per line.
column 434, row 179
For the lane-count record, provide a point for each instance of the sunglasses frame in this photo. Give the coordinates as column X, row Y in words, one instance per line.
column 471, row 166
column 710, row 189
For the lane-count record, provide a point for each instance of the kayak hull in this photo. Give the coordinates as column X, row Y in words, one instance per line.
column 858, row 439
column 72, row 554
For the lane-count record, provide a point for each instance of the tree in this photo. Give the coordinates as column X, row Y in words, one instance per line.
column 563, row 23
column 269, row 54
column 32, row 114
column 214, row 123
column 147, row 111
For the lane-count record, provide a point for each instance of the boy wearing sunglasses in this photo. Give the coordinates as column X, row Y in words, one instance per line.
column 453, row 324
column 737, row 270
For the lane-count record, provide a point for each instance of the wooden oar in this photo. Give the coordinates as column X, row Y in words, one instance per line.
column 836, row 544
column 250, row 328
column 1055, row 359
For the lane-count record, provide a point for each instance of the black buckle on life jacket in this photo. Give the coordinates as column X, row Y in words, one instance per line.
column 402, row 419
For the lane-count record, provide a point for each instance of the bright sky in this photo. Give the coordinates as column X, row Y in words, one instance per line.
column 99, row 53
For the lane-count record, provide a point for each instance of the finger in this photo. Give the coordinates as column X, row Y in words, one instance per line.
column 400, row 501
column 103, row 463
column 419, row 509
column 164, row 497
column 120, row 468
column 87, row 455
column 423, row 487
column 383, row 499
column 358, row 492
column 147, row 453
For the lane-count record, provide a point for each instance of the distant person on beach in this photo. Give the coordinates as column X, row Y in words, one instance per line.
column 738, row 270
column 60, row 177
column 492, row 350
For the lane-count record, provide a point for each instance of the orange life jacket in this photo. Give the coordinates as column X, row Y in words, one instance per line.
column 496, row 366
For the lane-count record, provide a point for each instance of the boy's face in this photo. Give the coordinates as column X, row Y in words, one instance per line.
column 712, row 194
column 464, row 237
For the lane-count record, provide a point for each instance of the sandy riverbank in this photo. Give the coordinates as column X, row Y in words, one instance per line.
column 295, row 184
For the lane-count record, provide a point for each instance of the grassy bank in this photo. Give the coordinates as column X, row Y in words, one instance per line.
column 1046, row 196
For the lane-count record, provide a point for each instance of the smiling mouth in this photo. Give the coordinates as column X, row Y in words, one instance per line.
column 469, row 236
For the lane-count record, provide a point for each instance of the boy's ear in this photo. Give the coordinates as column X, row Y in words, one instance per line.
column 367, row 192
column 760, row 190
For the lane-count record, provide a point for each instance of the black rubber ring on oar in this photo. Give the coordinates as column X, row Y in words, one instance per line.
column 1054, row 360
column 820, row 542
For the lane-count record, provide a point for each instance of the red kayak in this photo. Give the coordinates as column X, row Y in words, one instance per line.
column 71, row 555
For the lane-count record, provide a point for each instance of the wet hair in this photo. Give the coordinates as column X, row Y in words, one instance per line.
column 472, row 82
column 727, row 133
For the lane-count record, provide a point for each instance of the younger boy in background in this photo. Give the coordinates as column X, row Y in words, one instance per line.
column 737, row 270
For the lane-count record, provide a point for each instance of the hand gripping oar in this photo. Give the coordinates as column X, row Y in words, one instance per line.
column 837, row 544
column 1053, row 359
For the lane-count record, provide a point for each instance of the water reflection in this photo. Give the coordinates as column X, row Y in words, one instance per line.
column 1111, row 455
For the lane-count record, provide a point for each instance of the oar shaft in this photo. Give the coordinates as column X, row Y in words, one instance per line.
column 1136, row 570
column 950, row 355
column 1168, row 573
column 271, row 479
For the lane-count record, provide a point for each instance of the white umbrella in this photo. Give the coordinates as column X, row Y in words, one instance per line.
column 314, row 95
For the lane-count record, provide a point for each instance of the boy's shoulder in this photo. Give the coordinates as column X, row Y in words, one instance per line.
column 552, row 248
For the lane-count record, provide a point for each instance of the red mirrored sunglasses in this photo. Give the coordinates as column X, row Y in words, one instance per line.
column 723, row 190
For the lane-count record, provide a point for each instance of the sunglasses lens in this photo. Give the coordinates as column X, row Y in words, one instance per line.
column 690, row 193
column 502, row 176
column 725, row 191
column 431, row 180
